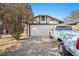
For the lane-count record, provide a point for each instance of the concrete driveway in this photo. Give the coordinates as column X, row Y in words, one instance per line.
column 36, row 46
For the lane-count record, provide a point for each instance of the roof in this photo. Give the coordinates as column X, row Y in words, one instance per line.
column 70, row 22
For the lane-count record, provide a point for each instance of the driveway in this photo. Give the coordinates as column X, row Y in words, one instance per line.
column 36, row 46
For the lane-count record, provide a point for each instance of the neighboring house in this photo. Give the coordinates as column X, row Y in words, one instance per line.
column 41, row 25
column 74, row 23
column 71, row 22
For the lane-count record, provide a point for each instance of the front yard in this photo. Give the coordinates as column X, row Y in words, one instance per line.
column 8, row 44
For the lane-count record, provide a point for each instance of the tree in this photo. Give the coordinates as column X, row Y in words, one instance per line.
column 75, row 14
column 13, row 15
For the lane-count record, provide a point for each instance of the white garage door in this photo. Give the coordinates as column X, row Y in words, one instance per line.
column 40, row 30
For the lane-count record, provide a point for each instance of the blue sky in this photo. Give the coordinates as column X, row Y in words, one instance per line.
column 58, row 10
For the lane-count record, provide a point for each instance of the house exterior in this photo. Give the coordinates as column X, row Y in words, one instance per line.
column 41, row 25
column 71, row 22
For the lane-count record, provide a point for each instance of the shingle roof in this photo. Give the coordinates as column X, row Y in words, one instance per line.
column 71, row 21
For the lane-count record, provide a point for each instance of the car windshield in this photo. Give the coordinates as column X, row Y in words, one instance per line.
column 63, row 28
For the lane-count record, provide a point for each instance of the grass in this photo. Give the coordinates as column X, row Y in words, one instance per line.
column 8, row 44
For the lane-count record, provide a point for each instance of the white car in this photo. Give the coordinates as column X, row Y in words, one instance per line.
column 68, row 39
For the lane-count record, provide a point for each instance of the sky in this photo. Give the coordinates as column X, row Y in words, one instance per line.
column 57, row 10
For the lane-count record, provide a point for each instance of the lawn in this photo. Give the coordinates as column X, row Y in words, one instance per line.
column 8, row 44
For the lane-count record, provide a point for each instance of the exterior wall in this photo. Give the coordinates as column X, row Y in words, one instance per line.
column 49, row 19
column 36, row 19
column 35, row 22
column 56, row 22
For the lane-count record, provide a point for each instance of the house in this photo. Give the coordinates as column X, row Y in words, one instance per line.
column 41, row 25
column 71, row 22
column 74, row 23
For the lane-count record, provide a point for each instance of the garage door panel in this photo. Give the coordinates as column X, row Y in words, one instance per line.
column 40, row 30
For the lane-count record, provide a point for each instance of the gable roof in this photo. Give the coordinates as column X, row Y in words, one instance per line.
column 50, row 17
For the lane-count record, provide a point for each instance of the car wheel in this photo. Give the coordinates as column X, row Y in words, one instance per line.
column 60, row 49
column 63, row 51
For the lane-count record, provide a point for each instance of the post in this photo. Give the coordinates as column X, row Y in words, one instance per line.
column 0, row 27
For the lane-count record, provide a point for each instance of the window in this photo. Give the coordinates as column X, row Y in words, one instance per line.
column 63, row 28
column 43, row 18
